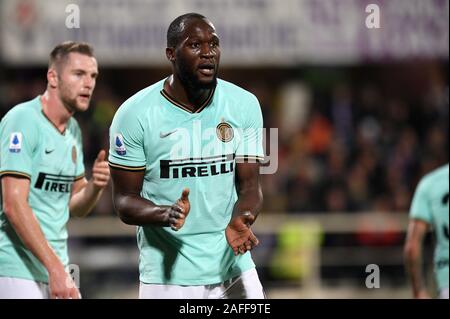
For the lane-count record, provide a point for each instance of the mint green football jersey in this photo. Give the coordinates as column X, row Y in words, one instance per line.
column 31, row 147
column 176, row 148
column 430, row 204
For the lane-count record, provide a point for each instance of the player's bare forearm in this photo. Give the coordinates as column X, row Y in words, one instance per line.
column 22, row 219
column 136, row 210
column 85, row 198
column 250, row 197
column 249, row 200
column 20, row 215
column 86, row 194
column 413, row 257
column 238, row 233
column 413, row 263
column 27, row 227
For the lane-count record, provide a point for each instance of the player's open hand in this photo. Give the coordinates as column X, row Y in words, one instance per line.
column 100, row 170
column 179, row 211
column 239, row 235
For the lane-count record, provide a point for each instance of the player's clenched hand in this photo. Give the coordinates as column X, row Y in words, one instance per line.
column 100, row 170
column 239, row 235
column 179, row 211
column 61, row 285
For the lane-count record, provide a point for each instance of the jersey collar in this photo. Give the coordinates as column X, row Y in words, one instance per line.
column 184, row 107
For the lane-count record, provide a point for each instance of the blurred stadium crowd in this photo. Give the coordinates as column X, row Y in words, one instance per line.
column 362, row 114
column 351, row 139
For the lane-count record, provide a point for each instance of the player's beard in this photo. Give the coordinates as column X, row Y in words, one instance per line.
column 70, row 103
column 191, row 81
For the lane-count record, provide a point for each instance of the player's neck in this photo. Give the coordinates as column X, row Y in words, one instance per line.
column 55, row 111
column 192, row 98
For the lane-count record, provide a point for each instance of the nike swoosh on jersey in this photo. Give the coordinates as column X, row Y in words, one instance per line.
column 48, row 151
column 163, row 135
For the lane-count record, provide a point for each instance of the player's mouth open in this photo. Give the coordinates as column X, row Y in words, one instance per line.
column 85, row 96
column 206, row 69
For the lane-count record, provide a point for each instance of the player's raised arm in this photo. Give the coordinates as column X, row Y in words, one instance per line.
column 239, row 235
column 15, row 192
column 85, row 193
column 135, row 210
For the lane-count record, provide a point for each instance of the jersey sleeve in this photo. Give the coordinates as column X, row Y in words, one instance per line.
column 19, row 141
column 250, row 145
column 126, row 140
column 420, row 206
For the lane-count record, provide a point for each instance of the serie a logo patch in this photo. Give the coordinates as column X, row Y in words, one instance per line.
column 15, row 142
column 119, row 145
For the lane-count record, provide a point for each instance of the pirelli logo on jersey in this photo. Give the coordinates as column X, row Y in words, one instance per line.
column 197, row 167
column 55, row 183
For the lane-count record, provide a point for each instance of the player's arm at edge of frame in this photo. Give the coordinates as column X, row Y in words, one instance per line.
column 417, row 230
column 136, row 210
column 15, row 191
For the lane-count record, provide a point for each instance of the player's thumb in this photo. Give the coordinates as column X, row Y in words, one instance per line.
column 185, row 194
column 101, row 156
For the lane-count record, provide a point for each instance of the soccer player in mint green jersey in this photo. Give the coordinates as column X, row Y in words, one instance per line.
column 184, row 162
column 42, row 178
column 429, row 209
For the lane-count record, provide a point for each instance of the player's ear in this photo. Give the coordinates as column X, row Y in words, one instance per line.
column 52, row 77
column 170, row 54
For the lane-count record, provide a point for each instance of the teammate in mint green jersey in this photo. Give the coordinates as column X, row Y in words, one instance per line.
column 429, row 209
column 184, row 158
column 42, row 178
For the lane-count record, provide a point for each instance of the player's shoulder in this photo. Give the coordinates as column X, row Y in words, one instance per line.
column 437, row 175
column 234, row 91
column 25, row 112
column 141, row 101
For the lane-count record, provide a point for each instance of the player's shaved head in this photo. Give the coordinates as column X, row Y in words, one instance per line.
column 60, row 53
column 177, row 27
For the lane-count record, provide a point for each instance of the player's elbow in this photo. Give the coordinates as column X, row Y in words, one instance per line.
column 122, row 210
column 10, row 208
column 124, row 215
column 126, row 218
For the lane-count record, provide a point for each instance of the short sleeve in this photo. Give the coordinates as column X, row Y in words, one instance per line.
column 420, row 207
column 19, row 141
column 126, row 140
column 250, row 144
